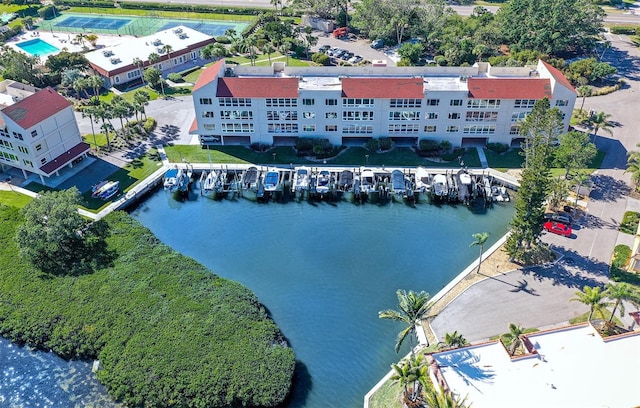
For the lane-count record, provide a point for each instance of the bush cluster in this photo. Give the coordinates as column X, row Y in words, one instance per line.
column 149, row 125
column 455, row 154
column 321, row 58
column 498, row 147
column 629, row 224
column 432, row 148
column 167, row 331
column 315, row 147
column 629, row 30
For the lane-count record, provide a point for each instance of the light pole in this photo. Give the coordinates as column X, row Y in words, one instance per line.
column 274, row 157
column 366, row 159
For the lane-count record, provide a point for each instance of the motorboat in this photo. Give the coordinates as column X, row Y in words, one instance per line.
column 440, row 185
column 423, row 180
column 109, row 190
column 301, row 181
column 345, row 181
column 323, row 181
column 271, row 180
column 95, row 189
column 173, row 179
column 250, row 178
column 464, row 186
column 398, row 183
column 210, row 181
column 367, row 181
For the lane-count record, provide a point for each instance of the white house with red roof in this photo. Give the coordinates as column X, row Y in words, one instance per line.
column 349, row 105
column 39, row 133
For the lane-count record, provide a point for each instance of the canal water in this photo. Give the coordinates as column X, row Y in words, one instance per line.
column 322, row 270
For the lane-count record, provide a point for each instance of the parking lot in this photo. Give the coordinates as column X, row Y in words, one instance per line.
column 356, row 46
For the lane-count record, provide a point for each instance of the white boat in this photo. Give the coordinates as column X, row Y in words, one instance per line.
column 322, row 182
column 109, row 190
column 423, row 180
column 250, row 178
column 397, row 182
column 95, row 189
column 172, row 179
column 301, row 179
column 440, row 185
column 271, row 180
column 210, row 181
column 367, row 181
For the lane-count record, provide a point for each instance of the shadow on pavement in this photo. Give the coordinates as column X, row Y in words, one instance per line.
column 607, row 188
column 573, row 271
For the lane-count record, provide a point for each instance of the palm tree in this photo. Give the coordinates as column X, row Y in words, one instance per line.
column 592, row 297
column 620, row 292
column 139, row 64
column 583, row 92
column 439, row 398
column 154, row 59
column 79, row 85
column 309, row 39
column 453, row 340
column 96, row 82
column 140, row 100
column 276, row 3
column 413, row 309
column 268, row 49
column 412, row 375
column 512, row 338
column 480, row 239
column 89, row 112
column 599, row 121
column 167, row 49
column 104, row 112
column 633, row 167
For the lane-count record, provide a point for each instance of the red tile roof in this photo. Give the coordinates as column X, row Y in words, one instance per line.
column 559, row 76
column 194, row 126
column 71, row 154
column 509, row 88
column 208, row 75
column 257, row 87
column 383, row 88
column 36, row 108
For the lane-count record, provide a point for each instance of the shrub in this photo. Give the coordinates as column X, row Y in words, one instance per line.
column 445, row 145
column 605, row 90
column 223, row 39
column 629, row 30
column 427, row 147
column 259, row 147
column 385, row 143
column 175, row 77
column 498, row 147
column 629, row 224
column 372, row 145
column 149, row 125
column 304, row 146
column 321, row 59
column 453, row 155
column 621, row 254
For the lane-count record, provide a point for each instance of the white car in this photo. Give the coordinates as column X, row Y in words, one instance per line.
column 355, row 59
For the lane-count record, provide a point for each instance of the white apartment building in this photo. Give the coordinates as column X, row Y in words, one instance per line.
column 349, row 105
column 116, row 63
column 38, row 131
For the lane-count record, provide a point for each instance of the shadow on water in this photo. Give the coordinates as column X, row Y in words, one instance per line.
column 302, row 384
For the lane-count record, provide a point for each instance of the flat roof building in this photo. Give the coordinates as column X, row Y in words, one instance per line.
column 116, row 63
column 349, row 105
column 38, row 130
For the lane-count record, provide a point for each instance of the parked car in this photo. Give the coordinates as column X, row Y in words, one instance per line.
column 325, row 48
column 560, row 216
column 355, row 59
column 377, row 44
column 347, row 56
column 558, row 228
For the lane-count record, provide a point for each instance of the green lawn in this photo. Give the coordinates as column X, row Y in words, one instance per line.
column 263, row 60
column 14, row 199
column 128, row 96
column 387, row 396
column 128, row 176
column 606, row 314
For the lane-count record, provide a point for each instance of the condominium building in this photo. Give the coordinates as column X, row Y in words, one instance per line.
column 38, row 131
column 349, row 105
column 175, row 48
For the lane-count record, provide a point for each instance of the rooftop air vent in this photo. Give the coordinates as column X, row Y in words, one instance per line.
column 182, row 36
column 157, row 42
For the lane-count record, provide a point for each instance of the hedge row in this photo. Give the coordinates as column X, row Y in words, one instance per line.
column 629, row 30
column 167, row 331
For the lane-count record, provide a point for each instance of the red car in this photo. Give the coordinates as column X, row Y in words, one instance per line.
column 558, row 228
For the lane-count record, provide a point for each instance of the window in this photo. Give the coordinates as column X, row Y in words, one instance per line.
column 133, row 74
column 281, row 102
column 429, row 128
column 404, row 115
column 9, row 157
column 38, row 147
column 160, row 67
column 518, row 116
column 193, row 55
column 308, row 115
column 433, row 102
column 454, row 115
column 514, row 130
column 357, row 115
column 483, row 103
column 209, row 126
column 117, row 80
column 207, row 114
column 308, row 102
column 402, row 128
column 235, row 114
column 357, row 129
column 331, row 115
column 309, row 128
column 479, row 129
column 431, row 115
column 452, row 129
column 331, row 128
column 237, row 127
column 6, row 145
column 3, row 132
column 34, row 133
column 27, row 162
column 481, row 116
column 562, row 102
column 524, row 103
column 282, row 128
column 405, row 103
column 331, row 102
column 282, row 115
column 43, row 160
column 23, row 149
column 455, row 102
column 207, row 101
column 18, row 135
column 357, row 103
column 232, row 101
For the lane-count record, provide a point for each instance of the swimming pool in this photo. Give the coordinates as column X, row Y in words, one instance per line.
column 37, row 47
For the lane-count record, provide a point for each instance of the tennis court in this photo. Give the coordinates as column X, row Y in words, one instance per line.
column 133, row 25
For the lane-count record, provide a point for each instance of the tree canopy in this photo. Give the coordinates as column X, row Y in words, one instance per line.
column 574, row 152
column 56, row 239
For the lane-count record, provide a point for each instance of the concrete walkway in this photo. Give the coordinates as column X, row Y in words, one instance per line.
column 483, row 158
